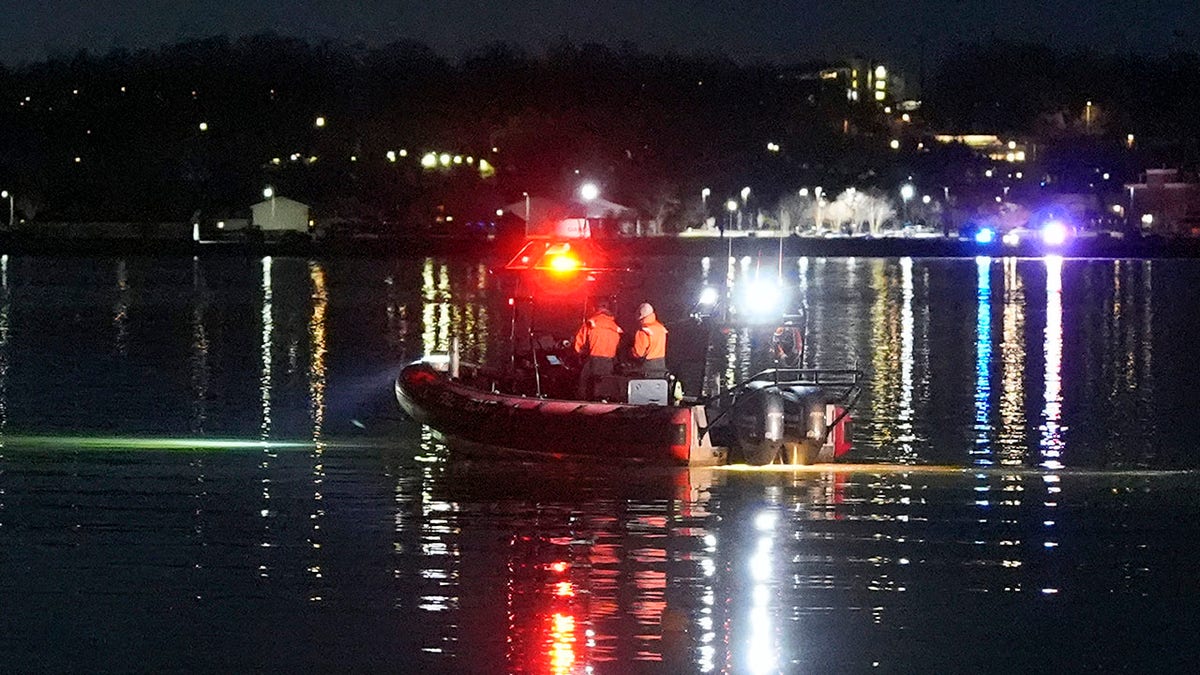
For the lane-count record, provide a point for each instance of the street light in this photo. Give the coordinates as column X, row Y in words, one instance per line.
column 269, row 193
column 906, row 193
column 731, row 206
column 589, row 191
column 5, row 194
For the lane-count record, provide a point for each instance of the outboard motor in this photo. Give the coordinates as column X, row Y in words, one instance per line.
column 759, row 419
column 787, row 422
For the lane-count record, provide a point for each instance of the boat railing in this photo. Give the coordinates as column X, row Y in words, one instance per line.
column 814, row 377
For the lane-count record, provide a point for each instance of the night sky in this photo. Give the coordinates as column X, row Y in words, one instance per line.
column 748, row 31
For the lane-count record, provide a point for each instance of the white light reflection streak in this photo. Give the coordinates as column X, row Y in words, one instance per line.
column 5, row 308
column 264, row 387
column 762, row 655
column 708, row 649
column 1052, row 441
column 982, row 452
column 200, row 367
column 121, row 310
column 904, row 427
column 268, row 327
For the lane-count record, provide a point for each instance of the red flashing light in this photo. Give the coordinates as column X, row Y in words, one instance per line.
column 564, row 264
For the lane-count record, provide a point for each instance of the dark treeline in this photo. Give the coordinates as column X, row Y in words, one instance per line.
column 118, row 137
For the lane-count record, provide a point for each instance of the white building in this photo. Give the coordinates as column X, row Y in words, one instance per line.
column 278, row 215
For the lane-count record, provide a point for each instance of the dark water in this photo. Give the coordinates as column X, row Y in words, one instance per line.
column 202, row 469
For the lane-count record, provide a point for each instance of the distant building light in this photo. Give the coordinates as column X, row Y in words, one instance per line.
column 1020, row 175
column 353, row 158
column 78, row 160
column 470, row 159
column 458, row 159
column 295, row 157
column 444, row 159
column 988, row 173
column 276, row 160
column 1106, row 176
column 906, row 117
column 895, row 144
column 220, row 224
column 75, row 92
column 880, row 72
column 403, row 152
column 204, row 126
column 485, row 168
column 320, row 122
column 1020, row 155
column 999, row 200
column 1012, row 145
column 926, row 199
column 499, row 212
column 1147, row 219
column 1010, row 157
column 1129, row 141
column 429, row 160
column 1117, row 208
column 879, row 96
column 391, row 155
column 495, row 149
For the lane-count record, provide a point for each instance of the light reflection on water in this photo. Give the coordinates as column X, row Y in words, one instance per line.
column 372, row 549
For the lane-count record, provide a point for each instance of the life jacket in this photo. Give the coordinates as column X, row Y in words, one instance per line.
column 598, row 336
column 650, row 342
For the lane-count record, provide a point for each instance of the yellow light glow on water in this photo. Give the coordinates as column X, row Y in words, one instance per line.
column 893, row 468
column 1012, row 358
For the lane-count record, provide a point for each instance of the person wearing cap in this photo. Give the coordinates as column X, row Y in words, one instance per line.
column 650, row 344
column 596, row 344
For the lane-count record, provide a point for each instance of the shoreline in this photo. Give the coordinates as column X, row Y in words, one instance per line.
column 793, row 246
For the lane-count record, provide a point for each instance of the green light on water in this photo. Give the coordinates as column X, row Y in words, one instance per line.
column 143, row 444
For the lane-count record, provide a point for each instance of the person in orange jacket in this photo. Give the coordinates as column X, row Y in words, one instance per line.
column 650, row 344
column 596, row 344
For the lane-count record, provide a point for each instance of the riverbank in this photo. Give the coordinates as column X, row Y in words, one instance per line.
column 1084, row 247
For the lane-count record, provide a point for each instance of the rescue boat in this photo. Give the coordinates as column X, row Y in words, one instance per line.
column 788, row 416
column 783, row 414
